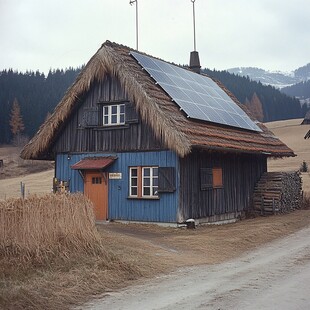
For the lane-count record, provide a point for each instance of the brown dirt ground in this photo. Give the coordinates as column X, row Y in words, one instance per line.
column 208, row 244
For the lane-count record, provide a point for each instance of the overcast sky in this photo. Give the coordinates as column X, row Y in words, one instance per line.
column 44, row 34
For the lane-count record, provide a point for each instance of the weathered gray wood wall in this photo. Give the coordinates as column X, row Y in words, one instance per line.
column 83, row 132
column 240, row 174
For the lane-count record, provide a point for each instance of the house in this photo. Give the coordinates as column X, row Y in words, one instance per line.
column 150, row 141
column 306, row 120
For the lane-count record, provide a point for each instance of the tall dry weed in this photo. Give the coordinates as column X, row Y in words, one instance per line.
column 52, row 225
column 306, row 201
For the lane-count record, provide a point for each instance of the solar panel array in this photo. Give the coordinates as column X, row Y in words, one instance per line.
column 197, row 95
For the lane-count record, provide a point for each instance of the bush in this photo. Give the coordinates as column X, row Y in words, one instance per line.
column 303, row 167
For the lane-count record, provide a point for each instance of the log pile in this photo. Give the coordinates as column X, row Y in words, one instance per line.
column 278, row 192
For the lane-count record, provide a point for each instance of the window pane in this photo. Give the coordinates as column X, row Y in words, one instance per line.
column 155, row 171
column 106, row 110
column 134, row 172
column 134, row 191
column 122, row 108
column 155, row 181
column 146, row 172
column 134, row 182
column 114, row 109
column 146, row 181
column 114, row 119
column 155, row 189
column 106, row 120
column 146, row 191
column 122, row 118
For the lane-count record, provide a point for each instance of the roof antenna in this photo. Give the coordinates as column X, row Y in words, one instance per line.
column 194, row 62
column 131, row 2
column 193, row 1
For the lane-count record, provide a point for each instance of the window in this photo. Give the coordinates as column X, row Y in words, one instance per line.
column 96, row 180
column 114, row 114
column 211, row 178
column 150, row 182
column 143, row 182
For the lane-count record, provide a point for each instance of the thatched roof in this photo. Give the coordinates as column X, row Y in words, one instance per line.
column 179, row 133
column 306, row 120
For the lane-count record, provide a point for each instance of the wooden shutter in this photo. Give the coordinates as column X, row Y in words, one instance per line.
column 131, row 115
column 206, row 178
column 90, row 117
column 166, row 179
column 217, row 175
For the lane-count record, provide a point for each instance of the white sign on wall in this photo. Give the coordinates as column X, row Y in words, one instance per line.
column 115, row 175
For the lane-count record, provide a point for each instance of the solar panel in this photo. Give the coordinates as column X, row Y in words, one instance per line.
column 197, row 95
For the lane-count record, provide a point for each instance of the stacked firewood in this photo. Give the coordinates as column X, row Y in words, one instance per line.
column 278, row 192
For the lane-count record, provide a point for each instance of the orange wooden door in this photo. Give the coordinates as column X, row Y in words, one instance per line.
column 96, row 189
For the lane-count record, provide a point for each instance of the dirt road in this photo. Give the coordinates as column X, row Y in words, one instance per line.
column 275, row 276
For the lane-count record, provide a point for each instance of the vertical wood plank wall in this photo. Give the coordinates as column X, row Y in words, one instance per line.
column 240, row 174
column 77, row 136
column 121, row 207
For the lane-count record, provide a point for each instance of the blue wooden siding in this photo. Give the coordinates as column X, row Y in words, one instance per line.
column 120, row 206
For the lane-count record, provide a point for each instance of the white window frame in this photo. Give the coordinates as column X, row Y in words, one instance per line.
column 130, row 181
column 151, row 177
column 109, row 114
column 141, row 186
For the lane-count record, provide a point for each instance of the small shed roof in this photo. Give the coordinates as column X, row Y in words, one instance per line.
column 93, row 163
column 179, row 133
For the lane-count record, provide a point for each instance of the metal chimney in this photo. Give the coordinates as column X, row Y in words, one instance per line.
column 194, row 62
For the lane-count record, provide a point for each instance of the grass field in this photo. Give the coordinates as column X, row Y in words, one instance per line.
column 292, row 134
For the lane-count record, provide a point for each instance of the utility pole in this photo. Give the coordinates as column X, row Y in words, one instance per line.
column 131, row 2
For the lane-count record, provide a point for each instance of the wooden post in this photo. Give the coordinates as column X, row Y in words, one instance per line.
column 22, row 189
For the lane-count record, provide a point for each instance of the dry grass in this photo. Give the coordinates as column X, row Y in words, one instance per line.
column 52, row 255
column 38, row 227
column 306, row 201
column 292, row 134
column 14, row 166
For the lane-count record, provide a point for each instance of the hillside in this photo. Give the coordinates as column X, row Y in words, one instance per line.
column 292, row 134
column 277, row 79
column 300, row 90
column 276, row 105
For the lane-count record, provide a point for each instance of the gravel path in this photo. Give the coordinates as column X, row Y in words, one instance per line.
column 276, row 276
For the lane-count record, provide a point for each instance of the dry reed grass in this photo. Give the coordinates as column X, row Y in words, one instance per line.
column 52, row 256
column 37, row 228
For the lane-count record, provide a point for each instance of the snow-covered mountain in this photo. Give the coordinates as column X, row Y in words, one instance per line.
column 277, row 79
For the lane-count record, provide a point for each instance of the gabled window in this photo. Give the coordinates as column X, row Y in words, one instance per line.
column 113, row 114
